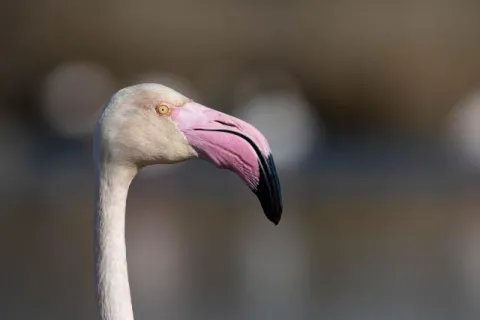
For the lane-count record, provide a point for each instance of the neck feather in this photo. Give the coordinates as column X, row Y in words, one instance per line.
column 111, row 273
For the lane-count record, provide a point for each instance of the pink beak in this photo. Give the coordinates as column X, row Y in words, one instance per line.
column 235, row 145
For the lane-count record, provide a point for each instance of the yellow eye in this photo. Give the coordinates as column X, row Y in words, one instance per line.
column 163, row 109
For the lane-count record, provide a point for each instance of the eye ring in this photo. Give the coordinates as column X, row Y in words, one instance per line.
column 162, row 109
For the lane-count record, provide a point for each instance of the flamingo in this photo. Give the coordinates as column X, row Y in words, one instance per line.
column 148, row 124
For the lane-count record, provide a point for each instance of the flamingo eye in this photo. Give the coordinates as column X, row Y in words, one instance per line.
column 162, row 110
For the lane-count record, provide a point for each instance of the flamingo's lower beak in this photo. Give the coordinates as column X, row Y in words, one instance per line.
column 233, row 144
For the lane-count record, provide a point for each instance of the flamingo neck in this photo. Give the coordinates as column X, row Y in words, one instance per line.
column 111, row 273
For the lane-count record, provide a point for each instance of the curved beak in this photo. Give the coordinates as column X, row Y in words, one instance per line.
column 235, row 145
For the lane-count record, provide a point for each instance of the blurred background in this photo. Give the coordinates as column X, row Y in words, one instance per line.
column 372, row 109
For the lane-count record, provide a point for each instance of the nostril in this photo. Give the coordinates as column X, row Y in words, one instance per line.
column 228, row 124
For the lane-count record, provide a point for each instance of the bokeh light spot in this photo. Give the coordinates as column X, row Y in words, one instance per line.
column 73, row 95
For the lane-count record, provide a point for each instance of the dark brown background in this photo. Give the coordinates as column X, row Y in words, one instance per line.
column 378, row 222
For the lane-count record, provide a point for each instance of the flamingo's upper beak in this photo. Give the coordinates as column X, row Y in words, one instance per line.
column 236, row 145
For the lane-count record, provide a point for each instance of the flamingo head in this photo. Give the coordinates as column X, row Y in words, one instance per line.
column 151, row 124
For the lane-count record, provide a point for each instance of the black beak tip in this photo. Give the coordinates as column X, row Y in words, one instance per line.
column 271, row 208
column 272, row 212
column 274, row 217
column 269, row 192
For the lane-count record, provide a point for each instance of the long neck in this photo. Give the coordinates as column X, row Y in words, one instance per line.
column 111, row 274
